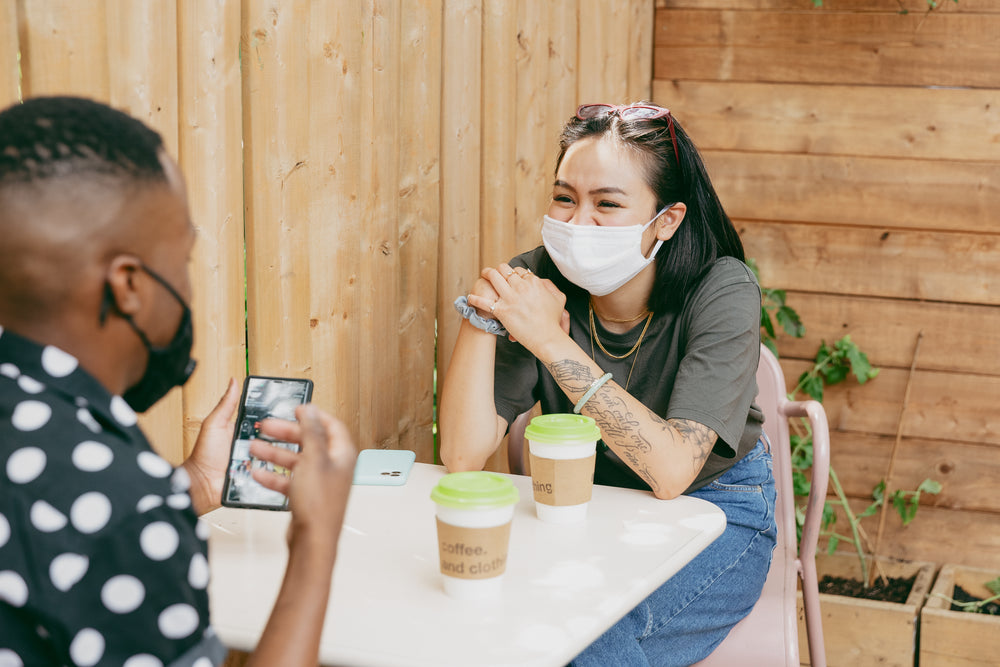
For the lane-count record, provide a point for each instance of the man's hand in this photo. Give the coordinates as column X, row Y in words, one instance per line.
column 208, row 461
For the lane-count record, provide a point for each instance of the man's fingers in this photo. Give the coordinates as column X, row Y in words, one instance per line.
column 224, row 410
column 281, row 429
column 272, row 480
column 272, row 454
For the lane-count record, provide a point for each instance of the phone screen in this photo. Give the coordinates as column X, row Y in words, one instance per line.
column 263, row 397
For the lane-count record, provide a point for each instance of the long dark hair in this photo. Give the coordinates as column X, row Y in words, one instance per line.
column 705, row 235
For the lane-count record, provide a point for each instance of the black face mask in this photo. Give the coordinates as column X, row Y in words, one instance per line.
column 169, row 366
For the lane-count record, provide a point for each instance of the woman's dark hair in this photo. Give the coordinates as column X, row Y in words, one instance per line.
column 705, row 235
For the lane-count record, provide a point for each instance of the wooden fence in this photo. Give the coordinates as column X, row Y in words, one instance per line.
column 354, row 164
column 858, row 150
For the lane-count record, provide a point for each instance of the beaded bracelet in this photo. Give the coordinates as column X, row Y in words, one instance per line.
column 591, row 390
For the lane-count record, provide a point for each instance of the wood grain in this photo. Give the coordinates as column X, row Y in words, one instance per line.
column 10, row 68
column 851, row 120
column 903, row 264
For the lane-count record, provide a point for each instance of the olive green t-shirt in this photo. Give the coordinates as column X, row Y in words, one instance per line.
column 698, row 364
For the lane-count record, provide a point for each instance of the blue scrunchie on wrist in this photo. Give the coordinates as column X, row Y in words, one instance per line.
column 468, row 312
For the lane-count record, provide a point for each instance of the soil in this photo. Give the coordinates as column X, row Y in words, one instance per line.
column 894, row 589
column 961, row 595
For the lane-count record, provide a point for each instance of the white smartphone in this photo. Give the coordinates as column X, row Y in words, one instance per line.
column 263, row 397
column 383, row 467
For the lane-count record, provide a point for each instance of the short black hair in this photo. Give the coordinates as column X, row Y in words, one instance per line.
column 51, row 137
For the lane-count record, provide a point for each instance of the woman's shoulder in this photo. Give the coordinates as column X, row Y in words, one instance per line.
column 533, row 259
column 727, row 271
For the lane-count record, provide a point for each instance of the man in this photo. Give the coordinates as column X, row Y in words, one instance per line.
column 102, row 556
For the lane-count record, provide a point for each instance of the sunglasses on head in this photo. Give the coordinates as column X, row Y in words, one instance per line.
column 631, row 112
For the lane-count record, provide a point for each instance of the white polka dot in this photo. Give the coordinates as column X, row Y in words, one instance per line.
column 179, row 501
column 123, row 412
column 198, row 572
column 9, row 370
column 90, row 456
column 87, row 647
column 122, row 594
column 153, row 465
column 42, row 632
column 4, row 530
column 178, row 621
column 46, row 518
column 9, row 659
column 67, row 569
column 180, row 480
column 159, row 540
column 57, row 363
column 149, row 502
column 29, row 385
column 30, row 415
column 143, row 660
column 25, row 465
column 84, row 417
column 202, row 530
column 202, row 662
column 90, row 512
column 13, row 590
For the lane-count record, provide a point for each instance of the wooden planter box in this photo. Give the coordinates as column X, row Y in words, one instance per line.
column 860, row 632
column 952, row 638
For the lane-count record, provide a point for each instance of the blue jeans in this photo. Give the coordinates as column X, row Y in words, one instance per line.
column 689, row 615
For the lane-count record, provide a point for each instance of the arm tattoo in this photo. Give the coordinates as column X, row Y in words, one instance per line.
column 571, row 375
column 698, row 437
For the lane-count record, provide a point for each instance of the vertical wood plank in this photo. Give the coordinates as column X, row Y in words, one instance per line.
column 211, row 157
column 276, row 169
column 142, row 81
column 379, row 239
column 498, row 237
column 642, row 17
column 10, row 69
column 560, row 100
column 419, row 209
column 63, row 48
column 339, row 94
column 458, row 247
column 604, row 51
column 532, row 180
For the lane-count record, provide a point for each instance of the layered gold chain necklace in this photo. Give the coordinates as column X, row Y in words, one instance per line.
column 635, row 348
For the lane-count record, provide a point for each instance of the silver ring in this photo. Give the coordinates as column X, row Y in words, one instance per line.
column 494, row 306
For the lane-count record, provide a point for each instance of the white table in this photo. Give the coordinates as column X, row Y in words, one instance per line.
column 564, row 586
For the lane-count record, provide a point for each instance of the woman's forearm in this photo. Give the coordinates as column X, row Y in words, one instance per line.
column 468, row 424
column 666, row 457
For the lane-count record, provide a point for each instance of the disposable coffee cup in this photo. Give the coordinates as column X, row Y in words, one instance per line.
column 562, row 449
column 474, row 512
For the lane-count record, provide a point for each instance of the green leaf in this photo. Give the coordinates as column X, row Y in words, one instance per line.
column 790, row 321
column 878, row 493
column 835, row 373
column 769, row 344
column 800, row 484
column 832, row 544
column 777, row 297
column 813, row 386
column 870, row 510
column 829, row 516
column 765, row 321
column 752, row 263
column 994, row 586
column 929, row 486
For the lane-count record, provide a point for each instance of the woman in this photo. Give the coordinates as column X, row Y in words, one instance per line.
column 641, row 276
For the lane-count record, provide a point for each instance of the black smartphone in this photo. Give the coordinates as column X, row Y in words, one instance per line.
column 263, row 397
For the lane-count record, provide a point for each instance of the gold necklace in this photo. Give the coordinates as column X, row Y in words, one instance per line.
column 644, row 312
column 635, row 348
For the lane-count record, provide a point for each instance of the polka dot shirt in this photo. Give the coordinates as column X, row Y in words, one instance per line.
column 102, row 559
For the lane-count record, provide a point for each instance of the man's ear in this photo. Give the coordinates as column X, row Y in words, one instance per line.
column 667, row 224
column 120, row 287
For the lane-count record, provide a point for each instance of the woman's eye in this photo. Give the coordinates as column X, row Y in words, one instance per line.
column 562, row 199
column 608, row 204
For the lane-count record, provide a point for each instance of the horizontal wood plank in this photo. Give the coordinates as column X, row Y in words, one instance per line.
column 893, row 6
column 966, row 471
column 942, row 406
column 864, row 120
column 956, row 337
column 875, row 192
column 936, row 535
column 935, row 266
column 839, row 47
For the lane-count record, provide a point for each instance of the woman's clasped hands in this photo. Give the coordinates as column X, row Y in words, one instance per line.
column 532, row 309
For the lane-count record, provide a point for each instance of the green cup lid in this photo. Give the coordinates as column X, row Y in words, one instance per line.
column 476, row 490
column 561, row 429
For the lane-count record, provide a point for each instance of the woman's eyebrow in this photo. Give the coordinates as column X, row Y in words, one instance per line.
column 608, row 190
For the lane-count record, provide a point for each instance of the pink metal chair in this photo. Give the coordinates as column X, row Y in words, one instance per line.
column 768, row 636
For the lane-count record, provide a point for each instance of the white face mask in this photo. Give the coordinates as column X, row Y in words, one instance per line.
column 598, row 259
